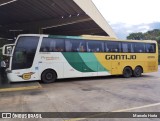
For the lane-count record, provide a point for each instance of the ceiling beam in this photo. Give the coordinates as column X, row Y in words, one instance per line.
column 92, row 31
column 45, row 24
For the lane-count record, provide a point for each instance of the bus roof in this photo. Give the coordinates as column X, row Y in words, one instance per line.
column 88, row 37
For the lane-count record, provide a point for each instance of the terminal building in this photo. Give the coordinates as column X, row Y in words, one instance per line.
column 56, row 17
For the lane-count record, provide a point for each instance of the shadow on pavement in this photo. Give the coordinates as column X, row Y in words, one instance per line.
column 99, row 78
column 4, row 83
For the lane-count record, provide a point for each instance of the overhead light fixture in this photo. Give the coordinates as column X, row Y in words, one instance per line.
column 10, row 39
column 2, row 4
column 15, row 30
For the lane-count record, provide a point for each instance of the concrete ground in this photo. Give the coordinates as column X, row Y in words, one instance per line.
column 100, row 94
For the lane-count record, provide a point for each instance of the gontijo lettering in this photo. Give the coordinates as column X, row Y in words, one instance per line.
column 121, row 57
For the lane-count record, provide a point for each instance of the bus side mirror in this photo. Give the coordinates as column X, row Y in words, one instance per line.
column 7, row 50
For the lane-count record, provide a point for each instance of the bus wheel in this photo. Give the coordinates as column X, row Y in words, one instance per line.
column 127, row 72
column 48, row 76
column 137, row 71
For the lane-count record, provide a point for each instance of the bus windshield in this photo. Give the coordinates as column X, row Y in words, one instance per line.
column 24, row 52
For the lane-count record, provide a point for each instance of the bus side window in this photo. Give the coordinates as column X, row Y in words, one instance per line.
column 106, row 47
column 44, row 45
column 82, row 47
column 125, row 47
column 131, row 47
column 150, row 48
column 68, row 45
column 139, row 47
column 44, row 49
column 113, row 46
column 59, row 46
column 75, row 45
column 52, row 45
column 95, row 46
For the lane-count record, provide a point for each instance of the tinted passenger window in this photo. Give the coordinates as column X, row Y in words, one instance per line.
column 139, row 47
column 75, row 45
column 52, row 45
column 127, row 47
column 95, row 46
column 112, row 46
column 150, row 48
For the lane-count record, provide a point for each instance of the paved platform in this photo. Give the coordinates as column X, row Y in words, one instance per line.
column 6, row 86
column 10, row 87
column 100, row 94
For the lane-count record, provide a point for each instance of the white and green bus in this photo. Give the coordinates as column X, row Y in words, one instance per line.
column 49, row 57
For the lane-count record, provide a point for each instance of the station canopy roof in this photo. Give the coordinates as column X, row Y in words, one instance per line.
column 57, row 17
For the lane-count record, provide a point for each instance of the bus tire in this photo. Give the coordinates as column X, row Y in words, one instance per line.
column 127, row 72
column 48, row 76
column 137, row 71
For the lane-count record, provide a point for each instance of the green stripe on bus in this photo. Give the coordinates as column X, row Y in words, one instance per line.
column 92, row 62
column 75, row 60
